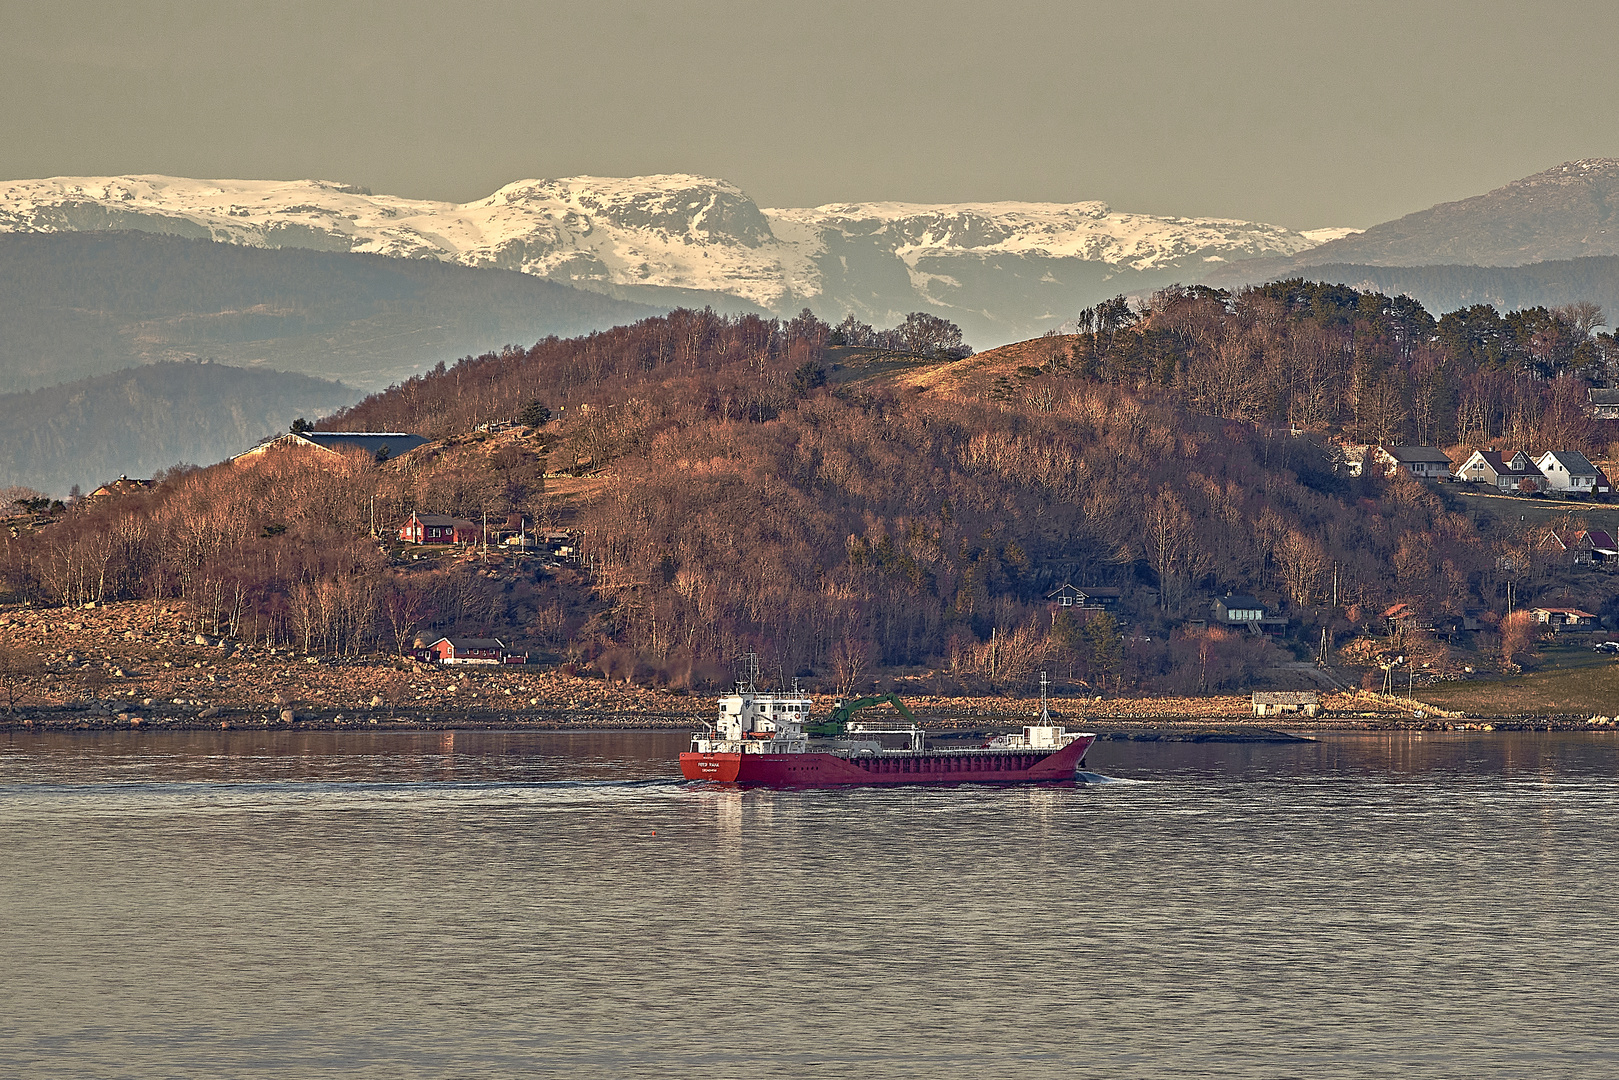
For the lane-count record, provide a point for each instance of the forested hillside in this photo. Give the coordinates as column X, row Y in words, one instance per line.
column 78, row 305
column 1448, row 287
column 1364, row 366
column 729, row 490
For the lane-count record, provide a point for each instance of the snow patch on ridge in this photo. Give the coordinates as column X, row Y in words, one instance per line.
column 1317, row 237
column 1091, row 231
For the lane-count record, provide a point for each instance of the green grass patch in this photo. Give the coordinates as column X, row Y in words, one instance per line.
column 1566, row 678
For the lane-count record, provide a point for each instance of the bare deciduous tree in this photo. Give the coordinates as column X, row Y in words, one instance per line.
column 17, row 672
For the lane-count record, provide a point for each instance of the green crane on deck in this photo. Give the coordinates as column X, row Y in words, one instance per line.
column 837, row 722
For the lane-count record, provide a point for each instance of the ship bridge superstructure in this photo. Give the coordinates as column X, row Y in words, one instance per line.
column 753, row 723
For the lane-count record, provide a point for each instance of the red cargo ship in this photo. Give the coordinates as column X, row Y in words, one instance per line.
column 759, row 739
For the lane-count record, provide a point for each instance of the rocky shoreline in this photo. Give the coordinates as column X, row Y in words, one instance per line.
column 145, row 666
column 1116, row 728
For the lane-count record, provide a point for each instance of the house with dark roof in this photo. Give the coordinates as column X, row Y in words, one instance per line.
column 1088, row 597
column 1500, row 470
column 1423, row 462
column 1238, row 608
column 1603, row 404
column 1568, row 471
column 379, row 445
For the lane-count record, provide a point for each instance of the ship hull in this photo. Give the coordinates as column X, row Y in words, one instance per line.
column 812, row 770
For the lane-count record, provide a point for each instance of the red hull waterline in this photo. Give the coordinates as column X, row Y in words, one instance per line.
column 811, row 769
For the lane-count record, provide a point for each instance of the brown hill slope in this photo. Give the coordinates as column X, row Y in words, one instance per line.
column 986, row 372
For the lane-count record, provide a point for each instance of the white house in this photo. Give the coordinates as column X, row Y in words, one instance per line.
column 1567, row 471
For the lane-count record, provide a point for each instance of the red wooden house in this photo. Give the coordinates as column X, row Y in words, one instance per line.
column 438, row 529
column 463, row 650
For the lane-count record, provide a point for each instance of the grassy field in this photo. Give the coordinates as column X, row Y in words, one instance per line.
column 1508, row 510
column 1564, row 679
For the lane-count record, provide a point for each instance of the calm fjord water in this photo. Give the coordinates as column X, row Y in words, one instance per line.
column 530, row 905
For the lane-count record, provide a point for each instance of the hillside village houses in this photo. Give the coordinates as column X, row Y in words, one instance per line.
column 1238, row 610
column 1582, row 545
column 1565, row 472
column 1422, row 462
column 124, row 485
column 1564, row 618
column 1562, row 472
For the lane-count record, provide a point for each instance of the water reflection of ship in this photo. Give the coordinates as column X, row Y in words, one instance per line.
column 760, row 738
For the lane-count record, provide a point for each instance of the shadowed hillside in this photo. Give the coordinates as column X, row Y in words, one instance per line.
column 147, row 418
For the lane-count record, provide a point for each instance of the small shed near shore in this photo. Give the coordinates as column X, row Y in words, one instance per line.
column 1282, row 702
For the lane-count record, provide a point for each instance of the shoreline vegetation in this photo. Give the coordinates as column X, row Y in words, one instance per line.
column 134, row 666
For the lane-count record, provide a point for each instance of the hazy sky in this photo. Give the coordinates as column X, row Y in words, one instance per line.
column 1299, row 114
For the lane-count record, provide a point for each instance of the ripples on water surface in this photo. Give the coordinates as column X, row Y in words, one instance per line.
column 514, row 904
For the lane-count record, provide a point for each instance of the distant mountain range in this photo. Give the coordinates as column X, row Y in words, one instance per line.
column 148, row 418
column 1002, row 271
column 77, row 305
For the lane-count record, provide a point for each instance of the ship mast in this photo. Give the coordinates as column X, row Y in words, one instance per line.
column 1045, row 711
column 748, row 683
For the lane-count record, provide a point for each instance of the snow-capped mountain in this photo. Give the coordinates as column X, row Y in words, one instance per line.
column 1001, row 270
